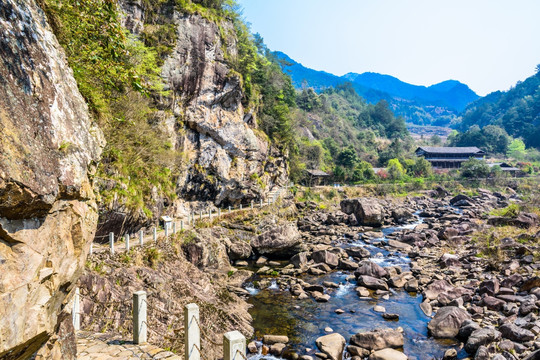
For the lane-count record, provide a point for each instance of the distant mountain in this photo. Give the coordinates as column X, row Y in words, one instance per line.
column 438, row 104
column 516, row 110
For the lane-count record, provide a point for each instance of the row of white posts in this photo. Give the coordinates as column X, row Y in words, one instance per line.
column 234, row 343
column 191, row 220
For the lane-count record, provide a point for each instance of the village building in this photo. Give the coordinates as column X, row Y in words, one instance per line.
column 315, row 177
column 507, row 169
column 449, row 157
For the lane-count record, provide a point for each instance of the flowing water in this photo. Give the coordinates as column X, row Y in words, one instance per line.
column 276, row 312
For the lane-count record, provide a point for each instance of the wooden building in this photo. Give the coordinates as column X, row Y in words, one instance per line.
column 507, row 169
column 315, row 177
column 449, row 157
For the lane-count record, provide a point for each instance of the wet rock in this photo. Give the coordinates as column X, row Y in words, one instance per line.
column 347, row 264
column 362, row 291
column 426, row 308
column 450, row 354
column 358, row 252
column 325, row 257
column 274, row 339
column 481, row 337
column 252, row 347
column 378, row 339
column 388, row 316
column 398, row 281
column 277, row 348
column 388, row 354
column 370, row 268
column 332, row 345
column 516, row 333
column 411, row 285
column 447, row 322
column 372, row 283
column 339, row 311
column 367, row 211
column 379, row 309
column 358, row 351
column 315, row 287
column 279, row 241
column 320, row 297
column 299, row 260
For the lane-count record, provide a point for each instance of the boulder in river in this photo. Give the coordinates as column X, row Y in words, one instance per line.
column 332, row 345
column 274, row 339
column 378, row 339
column 372, row 283
column 387, row 354
column 370, row 268
column 447, row 321
column 300, row 260
column 280, row 241
column 367, row 211
column 358, row 252
column 325, row 257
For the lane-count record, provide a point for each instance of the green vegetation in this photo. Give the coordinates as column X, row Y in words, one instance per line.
column 517, row 111
column 474, row 168
column 511, row 210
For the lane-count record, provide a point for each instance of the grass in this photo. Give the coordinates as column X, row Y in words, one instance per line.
column 511, row 210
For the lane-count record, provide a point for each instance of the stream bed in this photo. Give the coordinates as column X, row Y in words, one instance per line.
column 277, row 312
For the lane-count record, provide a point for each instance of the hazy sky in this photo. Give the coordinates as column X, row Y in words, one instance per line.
column 487, row 44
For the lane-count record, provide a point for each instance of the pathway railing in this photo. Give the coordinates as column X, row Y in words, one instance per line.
column 191, row 222
column 234, row 343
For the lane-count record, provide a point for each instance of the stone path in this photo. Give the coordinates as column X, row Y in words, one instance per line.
column 100, row 346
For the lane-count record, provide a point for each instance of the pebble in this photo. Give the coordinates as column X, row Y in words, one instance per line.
column 379, row 308
column 339, row 311
column 328, row 329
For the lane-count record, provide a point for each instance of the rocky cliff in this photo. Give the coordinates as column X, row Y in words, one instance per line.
column 227, row 160
column 47, row 209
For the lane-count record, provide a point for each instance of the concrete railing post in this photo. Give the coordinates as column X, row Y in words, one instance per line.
column 174, row 227
column 126, row 238
column 111, row 242
column 91, row 248
column 166, row 231
column 210, row 214
column 234, row 346
column 219, row 212
column 260, row 203
column 200, row 215
column 251, row 204
column 229, row 208
column 192, row 332
column 181, row 225
column 268, row 201
column 154, row 234
column 240, row 206
column 140, row 329
column 76, row 311
column 141, row 237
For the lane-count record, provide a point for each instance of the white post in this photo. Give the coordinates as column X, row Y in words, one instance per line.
column 140, row 328
column 268, row 201
column 251, row 204
column 141, row 237
column 260, row 203
column 166, row 230
column 174, row 227
column 219, row 212
column 192, row 332
column 76, row 311
column 181, row 225
column 234, row 346
column 210, row 214
column 91, row 248
column 126, row 238
column 154, row 234
column 111, row 242
column 200, row 215
column 240, row 206
column 229, row 208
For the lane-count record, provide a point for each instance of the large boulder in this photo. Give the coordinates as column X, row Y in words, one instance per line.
column 300, row 260
column 332, row 345
column 326, row 257
column 48, row 213
column 447, row 321
column 481, row 337
column 367, row 211
column 280, row 241
column 516, row 333
column 370, row 268
column 372, row 283
column 444, row 288
column 378, row 339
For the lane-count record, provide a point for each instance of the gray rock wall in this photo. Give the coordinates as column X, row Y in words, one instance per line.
column 47, row 209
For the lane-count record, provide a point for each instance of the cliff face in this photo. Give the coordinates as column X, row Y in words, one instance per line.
column 227, row 160
column 47, row 209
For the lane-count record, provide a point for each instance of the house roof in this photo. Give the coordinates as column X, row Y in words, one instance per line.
column 450, row 150
column 316, row 172
column 504, row 166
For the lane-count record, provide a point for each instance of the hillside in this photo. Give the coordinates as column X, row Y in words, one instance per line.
column 434, row 105
column 517, row 111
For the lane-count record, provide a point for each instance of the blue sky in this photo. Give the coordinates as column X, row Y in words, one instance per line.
column 487, row 44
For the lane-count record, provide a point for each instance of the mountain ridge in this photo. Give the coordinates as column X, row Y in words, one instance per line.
column 437, row 104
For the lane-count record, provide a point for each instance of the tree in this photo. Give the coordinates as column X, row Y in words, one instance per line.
column 347, row 157
column 395, row 169
column 474, row 168
column 516, row 149
column 363, row 172
column 421, row 167
column 435, row 140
